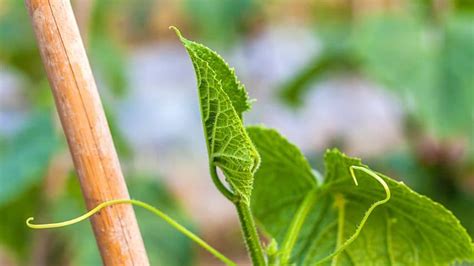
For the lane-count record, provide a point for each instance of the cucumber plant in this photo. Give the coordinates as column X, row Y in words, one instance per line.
column 351, row 216
column 311, row 221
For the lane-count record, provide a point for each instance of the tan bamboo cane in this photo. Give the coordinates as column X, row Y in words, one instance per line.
column 87, row 132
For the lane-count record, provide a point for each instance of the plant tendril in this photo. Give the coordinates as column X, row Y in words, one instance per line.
column 146, row 206
column 367, row 213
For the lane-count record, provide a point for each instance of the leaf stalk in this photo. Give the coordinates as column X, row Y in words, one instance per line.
column 223, row 189
column 249, row 231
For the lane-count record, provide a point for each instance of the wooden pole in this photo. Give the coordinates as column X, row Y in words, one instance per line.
column 87, row 132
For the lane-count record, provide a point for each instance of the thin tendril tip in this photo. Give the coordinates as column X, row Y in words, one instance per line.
column 351, row 169
column 375, row 176
column 28, row 221
column 367, row 213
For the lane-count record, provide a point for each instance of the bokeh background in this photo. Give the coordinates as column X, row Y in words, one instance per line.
column 391, row 81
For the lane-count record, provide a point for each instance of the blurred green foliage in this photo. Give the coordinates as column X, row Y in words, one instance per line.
column 15, row 238
column 456, row 84
column 17, row 46
column 222, row 21
column 428, row 66
column 156, row 233
column 24, row 160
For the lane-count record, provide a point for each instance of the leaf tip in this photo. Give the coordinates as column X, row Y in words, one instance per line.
column 178, row 33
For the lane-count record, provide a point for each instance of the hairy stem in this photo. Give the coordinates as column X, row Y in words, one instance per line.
column 249, row 230
column 146, row 206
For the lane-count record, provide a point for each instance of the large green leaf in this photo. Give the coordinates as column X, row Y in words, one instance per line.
column 282, row 159
column 409, row 229
column 25, row 157
column 223, row 100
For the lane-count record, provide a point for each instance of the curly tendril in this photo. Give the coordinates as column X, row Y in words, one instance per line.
column 146, row 206
column 367, row 213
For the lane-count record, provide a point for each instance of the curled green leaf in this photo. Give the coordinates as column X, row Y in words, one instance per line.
column 223, row 100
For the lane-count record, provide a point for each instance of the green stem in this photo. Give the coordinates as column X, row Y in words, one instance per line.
column 144, row 205
column 296, row 225
column 225, row 191
column 249, row 230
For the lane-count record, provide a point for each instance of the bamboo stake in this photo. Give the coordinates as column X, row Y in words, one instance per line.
column 87, row 132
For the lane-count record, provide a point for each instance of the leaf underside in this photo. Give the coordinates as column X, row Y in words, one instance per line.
column 223, row 100
column 410, row 229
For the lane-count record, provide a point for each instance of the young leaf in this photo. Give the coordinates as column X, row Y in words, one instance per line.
column 223, row 100
column 408, row 229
